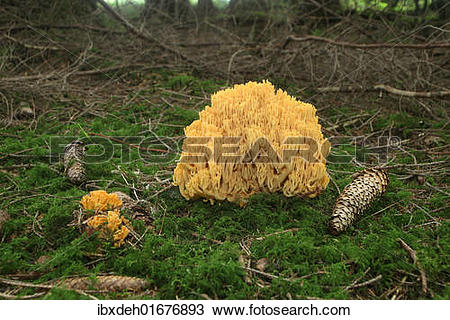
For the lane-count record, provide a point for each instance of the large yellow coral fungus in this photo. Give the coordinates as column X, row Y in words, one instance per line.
column 253, row 139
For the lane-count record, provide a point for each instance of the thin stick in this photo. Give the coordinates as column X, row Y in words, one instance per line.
column 437, row 189
column 278, row 232
column 335, row 184
column 31, row 46
column 365, row 283
column 265, row 274
column 272, row 276
column 48, row 26
column 16, row 297
column 420, row 94
column 25, row 284
column 413, row 255
column 359, row 278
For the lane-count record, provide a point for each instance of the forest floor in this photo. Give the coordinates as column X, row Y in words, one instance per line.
column 273, row 248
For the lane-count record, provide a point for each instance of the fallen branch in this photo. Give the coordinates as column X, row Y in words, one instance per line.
column 383, row 87
column 17, row 297
column 33, row 275
column 32, row 77
column 37, row 286
column 25, row 284
column 32, row 46
column 428, row 45
column 420, row 94
column 413, row 256
column 95, row 71
column 48, row 26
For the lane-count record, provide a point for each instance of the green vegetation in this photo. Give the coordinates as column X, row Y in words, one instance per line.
column 193, row 249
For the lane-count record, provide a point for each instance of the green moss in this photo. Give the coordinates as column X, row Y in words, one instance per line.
column 193, row 247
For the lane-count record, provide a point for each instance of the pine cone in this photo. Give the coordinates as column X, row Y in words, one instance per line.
column 73, row 162
column 106, row 283
column 357, row 197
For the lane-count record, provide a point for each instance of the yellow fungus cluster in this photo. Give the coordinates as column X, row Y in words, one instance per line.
column 100, row 200
column 109, row 223
column 268, row 125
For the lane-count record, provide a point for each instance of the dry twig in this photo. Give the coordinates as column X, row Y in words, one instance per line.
column 17, row 297
column 413, row 255
column 278, row 232
column 365, row 283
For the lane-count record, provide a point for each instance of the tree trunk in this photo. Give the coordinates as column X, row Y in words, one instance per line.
column 161, row 7
column 205, row 8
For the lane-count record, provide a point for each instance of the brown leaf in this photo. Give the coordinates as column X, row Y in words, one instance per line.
column 24, row 112
column 43, row 259
column 432, row 140
column 261, row 264
column 421, row 179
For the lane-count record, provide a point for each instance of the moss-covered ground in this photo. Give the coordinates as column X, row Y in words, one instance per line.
column 195, row 250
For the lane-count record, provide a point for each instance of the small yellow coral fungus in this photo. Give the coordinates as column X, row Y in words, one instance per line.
column 120, row 235
column 107, row 220
column 111, row 225
column 100, row 200
column 253, row 139
column 96, row 221
column 114, row 220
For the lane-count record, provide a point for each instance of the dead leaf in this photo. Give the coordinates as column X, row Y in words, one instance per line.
column 432, row 140
column 4, row 216
column 43, row 259
column 261, row 264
